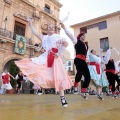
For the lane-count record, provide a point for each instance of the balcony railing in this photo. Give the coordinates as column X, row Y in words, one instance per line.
column 12, row 35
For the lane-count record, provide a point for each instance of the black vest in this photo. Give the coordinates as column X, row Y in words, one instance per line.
column 81, row 48
column 20, row 77
column 110, row 65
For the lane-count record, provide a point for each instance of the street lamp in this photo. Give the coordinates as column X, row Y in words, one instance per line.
column 5, row 20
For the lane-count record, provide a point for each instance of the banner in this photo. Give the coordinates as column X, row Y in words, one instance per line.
column 20, row 44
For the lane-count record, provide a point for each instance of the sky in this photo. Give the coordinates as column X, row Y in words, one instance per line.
column 83, row 10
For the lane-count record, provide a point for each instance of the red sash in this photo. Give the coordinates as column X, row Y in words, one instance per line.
column 97, row 66
column 80, row 56
column 112, row 71
column 51, row 56
column 6, row 79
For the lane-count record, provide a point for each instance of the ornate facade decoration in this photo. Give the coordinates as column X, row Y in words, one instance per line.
column 21, row 15
column 36, row 14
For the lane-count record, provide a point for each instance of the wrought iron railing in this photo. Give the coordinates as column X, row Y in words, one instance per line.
column 12, row 35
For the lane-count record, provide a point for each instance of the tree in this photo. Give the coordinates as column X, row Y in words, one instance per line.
column 13, row 70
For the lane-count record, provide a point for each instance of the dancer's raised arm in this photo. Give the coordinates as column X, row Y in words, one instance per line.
column 62, row 46
column 38, row 35
column 69, row 34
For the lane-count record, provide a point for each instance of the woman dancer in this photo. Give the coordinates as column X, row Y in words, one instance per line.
column 96, row 73
column 47, row 70
column 6, row 81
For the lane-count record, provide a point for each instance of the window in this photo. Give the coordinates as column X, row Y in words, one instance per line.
column 104, row 44
column 19, row 28
column 102, row 25
column 89, row 27
column 47, row 8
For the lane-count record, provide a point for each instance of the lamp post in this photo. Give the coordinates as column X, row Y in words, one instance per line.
column 5, row 20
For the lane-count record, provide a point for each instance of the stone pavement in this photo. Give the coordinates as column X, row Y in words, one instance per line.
column 48, row 107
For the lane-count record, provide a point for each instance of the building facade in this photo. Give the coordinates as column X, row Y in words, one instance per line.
column 13, row 21
column 101, row 32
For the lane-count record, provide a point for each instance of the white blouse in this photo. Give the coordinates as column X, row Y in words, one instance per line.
column 49, row 42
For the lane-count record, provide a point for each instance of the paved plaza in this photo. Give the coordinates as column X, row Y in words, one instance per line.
column 48, row 107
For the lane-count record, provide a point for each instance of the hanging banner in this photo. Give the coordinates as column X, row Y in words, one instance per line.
column 20, row 44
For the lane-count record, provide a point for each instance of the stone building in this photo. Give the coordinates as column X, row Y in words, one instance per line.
column 13, row 21
column 101, row 32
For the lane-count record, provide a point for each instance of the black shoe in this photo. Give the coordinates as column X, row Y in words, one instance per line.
column 114, row 96
column 39, row 92
column 83, row 95
column 75, row 92
column 100, row 97
column 107, row 93
column 64, row 102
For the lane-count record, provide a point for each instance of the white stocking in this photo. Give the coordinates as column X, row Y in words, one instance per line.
column 61, row 93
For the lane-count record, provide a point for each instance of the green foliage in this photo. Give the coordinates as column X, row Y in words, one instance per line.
column 13, row 70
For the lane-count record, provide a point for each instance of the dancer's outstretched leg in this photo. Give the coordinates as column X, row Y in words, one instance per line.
column 99, row 90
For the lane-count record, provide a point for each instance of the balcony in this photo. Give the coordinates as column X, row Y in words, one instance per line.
column 12, row 35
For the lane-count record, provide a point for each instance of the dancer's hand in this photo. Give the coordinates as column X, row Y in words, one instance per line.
column 30, row 20
column 63, row 43
column 60, row 42
column 62, row 25
column 12, row 76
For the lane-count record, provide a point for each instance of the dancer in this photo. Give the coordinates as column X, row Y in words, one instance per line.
column 20, row 77
column 47, row 70
column 111, row 72
column 81, row 49
column 6, row 81
column 96, row 73
column 117, row 64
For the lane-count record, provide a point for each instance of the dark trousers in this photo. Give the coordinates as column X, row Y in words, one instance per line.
column 82, row 69
column 118, row 82
column 19, row 85
column 112, row 78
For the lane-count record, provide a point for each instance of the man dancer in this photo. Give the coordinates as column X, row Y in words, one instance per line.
column 81, row 49
column 111, row 72
column 117, row 75
column 19, row 77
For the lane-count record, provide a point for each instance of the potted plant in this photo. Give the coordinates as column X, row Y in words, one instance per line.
column 13, row 70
